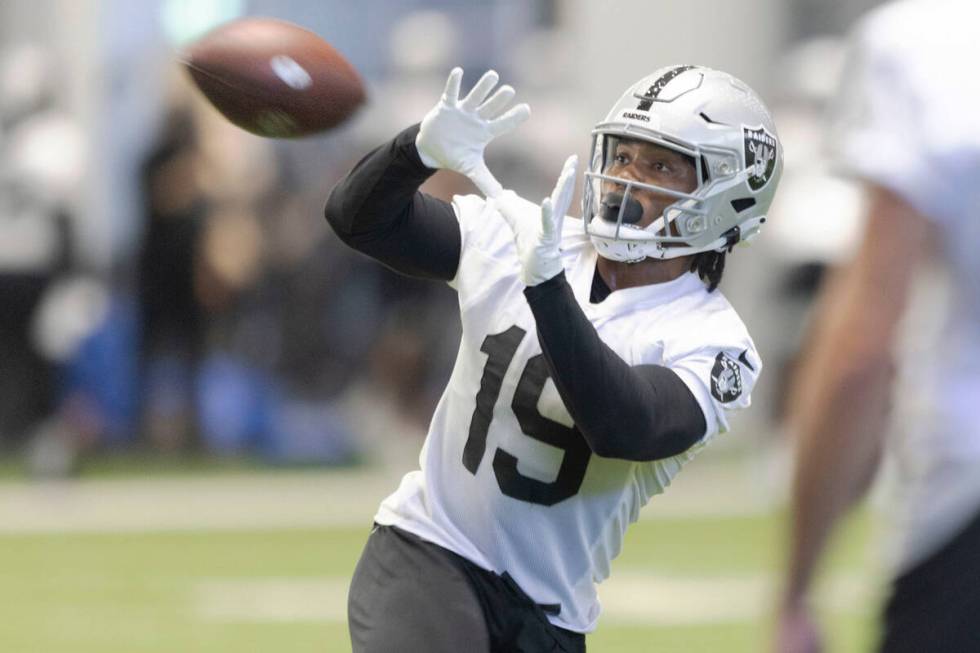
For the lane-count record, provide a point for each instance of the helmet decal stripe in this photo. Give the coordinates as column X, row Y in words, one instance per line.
column 654, row 91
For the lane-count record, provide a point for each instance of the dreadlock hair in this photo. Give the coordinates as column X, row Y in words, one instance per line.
column 709, row 266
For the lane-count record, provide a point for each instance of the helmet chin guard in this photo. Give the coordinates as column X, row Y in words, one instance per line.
column 723, row 127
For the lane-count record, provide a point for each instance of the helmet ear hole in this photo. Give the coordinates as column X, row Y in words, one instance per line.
column 705, row 171
column 743, row 203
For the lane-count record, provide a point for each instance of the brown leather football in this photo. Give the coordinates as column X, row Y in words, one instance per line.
column 274, row 78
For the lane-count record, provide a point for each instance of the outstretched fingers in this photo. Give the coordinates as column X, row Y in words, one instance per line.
column 450, row 95
column 561, row 196
column 480, row 92
column 554, row 208
column 549, row 226
column 487, row 109
column 497, row 102
column 510, row 120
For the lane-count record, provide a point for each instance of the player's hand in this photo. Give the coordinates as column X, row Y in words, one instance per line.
column 797, row 632
column 538, row 239
column 455, row 132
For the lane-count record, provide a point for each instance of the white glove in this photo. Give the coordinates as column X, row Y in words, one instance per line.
column 455, row 132
column 538, row 240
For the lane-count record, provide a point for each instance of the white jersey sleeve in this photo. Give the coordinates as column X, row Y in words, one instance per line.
column 719, row 364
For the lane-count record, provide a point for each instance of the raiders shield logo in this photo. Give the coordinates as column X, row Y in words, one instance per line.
column 760, row 156
column 726, row 379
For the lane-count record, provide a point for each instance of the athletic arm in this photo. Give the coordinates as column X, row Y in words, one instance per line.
column 378, row 210
column 643, row 412
column 839, row 400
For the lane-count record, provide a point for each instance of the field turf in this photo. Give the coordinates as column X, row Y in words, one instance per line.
column 685, row 584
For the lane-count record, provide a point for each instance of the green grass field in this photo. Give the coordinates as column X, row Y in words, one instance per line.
column 682, row 584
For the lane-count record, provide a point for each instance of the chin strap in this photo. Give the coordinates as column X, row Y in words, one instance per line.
column 732, row 237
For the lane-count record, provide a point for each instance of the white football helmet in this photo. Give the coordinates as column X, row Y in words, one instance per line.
column 728, row 133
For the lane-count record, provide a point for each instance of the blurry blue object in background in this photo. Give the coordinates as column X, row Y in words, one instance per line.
column 234, row 402
column 104, row 372
column 308, row 431
column 243, row 409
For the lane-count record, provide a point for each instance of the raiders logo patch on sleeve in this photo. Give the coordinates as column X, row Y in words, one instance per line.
column 726, row 379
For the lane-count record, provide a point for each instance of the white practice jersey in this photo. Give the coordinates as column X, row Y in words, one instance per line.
column 505, row 480
column 909, row 121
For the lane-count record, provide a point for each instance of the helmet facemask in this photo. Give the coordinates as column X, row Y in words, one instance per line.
column 611, row 210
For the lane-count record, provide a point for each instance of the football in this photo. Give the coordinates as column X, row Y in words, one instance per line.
column 274, row 78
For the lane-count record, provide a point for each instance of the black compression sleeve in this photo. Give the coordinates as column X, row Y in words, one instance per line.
column 377, row 210
column 640, row 412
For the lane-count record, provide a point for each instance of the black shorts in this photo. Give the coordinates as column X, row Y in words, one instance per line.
column 935, row 606
column 409, row 595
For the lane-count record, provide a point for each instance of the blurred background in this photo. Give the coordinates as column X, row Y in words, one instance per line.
column 204, row 394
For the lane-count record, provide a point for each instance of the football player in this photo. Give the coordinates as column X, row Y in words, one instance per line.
column 913, row 140
column 597, row 355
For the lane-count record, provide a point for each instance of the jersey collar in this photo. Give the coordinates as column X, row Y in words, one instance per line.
column 628, row 299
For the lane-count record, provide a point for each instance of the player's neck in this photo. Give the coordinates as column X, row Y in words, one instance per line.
column 619, row 275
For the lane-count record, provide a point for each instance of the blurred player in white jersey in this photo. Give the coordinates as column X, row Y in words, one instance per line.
column 909, row 128
column 597, row 356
